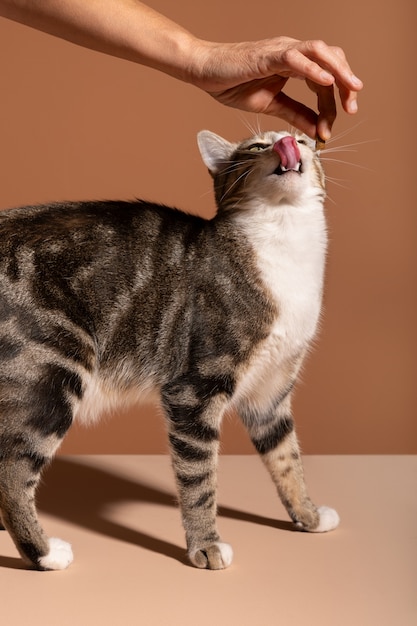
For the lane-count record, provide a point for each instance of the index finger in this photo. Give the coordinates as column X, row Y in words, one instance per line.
column 326, row 106
column 329, row 61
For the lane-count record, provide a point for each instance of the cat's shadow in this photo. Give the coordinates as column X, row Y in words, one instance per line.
column 80, row 494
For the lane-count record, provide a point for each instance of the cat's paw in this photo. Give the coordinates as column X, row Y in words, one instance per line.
column 217, row 555
column 58, row 557
column 329, row 519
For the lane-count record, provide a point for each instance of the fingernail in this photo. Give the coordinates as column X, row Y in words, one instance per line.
column 356, row 81
column 353, row 106
column 324, row 132
column 326, row 77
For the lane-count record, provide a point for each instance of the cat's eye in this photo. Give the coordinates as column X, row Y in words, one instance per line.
column 257, row 147
column 302, row 141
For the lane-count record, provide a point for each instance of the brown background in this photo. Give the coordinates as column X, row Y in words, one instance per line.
column 76, row 124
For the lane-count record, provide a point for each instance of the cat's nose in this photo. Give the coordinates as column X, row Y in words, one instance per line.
column 288, row 152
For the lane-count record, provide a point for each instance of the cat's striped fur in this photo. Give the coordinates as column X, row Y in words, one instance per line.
column 101, row 302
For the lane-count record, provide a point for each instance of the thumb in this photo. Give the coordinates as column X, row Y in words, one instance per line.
column 294, row 112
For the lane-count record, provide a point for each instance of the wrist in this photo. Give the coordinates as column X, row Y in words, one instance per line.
column 204, row 60
column 186, row 58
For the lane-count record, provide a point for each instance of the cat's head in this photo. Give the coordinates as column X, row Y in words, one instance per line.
column 272, row 167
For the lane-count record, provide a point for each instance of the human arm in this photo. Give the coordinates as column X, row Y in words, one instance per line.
column 247, row 75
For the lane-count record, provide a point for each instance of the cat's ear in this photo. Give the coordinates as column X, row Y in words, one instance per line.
column 215, row 151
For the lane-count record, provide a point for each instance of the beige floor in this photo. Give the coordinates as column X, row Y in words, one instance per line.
column 129, row 568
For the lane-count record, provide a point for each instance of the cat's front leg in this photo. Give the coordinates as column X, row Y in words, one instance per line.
column 273, row 435
column 194, row 424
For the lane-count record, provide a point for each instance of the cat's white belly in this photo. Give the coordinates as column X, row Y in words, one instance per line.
column 100, row 399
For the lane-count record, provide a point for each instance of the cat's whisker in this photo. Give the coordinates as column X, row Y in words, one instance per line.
column 235, row 182
column 206, row 193
column 235, row 165
column 344, row 133
column 258, row 124
column 337, row 182
column 333, row 150
column 357, row 165
column 330, row 199
column 252, row 128
column 350, row 147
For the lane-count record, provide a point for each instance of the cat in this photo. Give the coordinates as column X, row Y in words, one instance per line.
column 102, row 302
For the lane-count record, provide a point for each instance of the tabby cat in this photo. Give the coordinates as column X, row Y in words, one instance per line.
column 102, row 302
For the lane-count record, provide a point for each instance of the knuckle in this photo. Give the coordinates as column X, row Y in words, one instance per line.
column 296, row 61
column 317, row 46
column 288, row 56
column 339, row 52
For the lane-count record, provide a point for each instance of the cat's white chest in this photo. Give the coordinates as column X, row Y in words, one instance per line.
column 290, row 260
column 290, row 256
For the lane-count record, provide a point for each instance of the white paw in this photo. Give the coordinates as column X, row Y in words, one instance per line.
column 218, row 555
column 59, row 555
column 227, row 553
column 329, row 519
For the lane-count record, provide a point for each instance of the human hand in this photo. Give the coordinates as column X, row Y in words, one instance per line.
column 251, row 76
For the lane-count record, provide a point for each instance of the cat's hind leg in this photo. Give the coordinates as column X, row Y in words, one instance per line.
column 273, row 435
column 19, row 477
column 194, row 417
column 18, row 481
column 34, row 419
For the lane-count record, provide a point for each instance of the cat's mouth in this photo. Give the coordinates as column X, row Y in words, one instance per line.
column 289, row 155
column 281, row 169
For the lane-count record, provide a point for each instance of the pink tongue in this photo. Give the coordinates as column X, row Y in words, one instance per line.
column 288, row 152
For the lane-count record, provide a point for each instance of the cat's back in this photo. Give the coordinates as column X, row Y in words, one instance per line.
column 92, row 220
column 64, row 238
